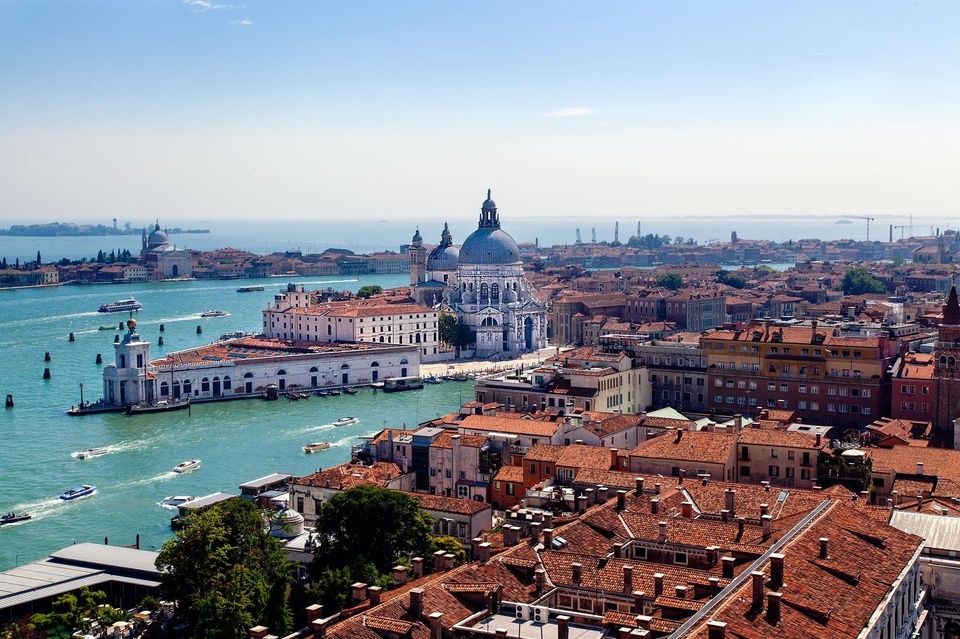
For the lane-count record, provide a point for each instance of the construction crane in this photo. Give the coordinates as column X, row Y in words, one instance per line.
column 862, row 217
column 901, row 227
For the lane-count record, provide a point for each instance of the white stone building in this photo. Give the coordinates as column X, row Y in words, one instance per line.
column 167, row 261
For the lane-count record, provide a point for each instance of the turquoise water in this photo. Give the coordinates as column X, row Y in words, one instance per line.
column 237, row 441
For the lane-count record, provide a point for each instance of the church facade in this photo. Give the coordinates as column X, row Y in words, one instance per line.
column 483, row 283
column 167, row 262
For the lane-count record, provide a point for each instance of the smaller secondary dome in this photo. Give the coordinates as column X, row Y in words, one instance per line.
column 131, row 323
column 446, row 256
column 157, row 236
column 417, row 237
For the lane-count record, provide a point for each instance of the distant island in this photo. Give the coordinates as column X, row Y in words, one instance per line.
column 56, row 229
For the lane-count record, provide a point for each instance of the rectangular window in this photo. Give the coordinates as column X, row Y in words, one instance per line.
column 771, row 386
column 802, row 388
column 680, row 558
column 831, row 408
column 790, row 454
column 744, row 471
column 774, row 453
column 774, row 471
column 789, row 472
column 805, row 473
column 802, row 405
column 783, row 388
column 448, row 474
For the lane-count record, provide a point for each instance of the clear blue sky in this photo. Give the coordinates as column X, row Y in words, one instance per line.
column 288, row 109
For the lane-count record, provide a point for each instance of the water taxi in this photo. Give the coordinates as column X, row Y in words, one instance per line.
column 176, row 501
column 346, row 421
column 90, row 453
column 78, row 492
column 13, row 518
column 121, row 306
column 187, row 466
column 316, row 447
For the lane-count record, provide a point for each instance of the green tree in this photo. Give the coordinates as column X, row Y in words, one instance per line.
column 38, row 258
column 452, row 546
column 671, row 280
column 369, row 290
column 227, row 573
column 730, row 279
column 859, row 281
column 448, row 329
column 69, row 612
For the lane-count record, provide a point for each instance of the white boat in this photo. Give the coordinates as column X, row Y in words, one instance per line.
column 346, row 421
column 176, row 501
column 432, row 379
column 214, row 313
column 316, row 447
column 89, row 453
column 79, row 491
column 187, row 466
column 120, row 306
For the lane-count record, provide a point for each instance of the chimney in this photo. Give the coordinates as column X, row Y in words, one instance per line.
column 319, row 628
column 614, row 459
column 740, row 527
column 358, row 591
column 767, row 521
column 716, row 630
column 819, row 440
column 511, row 535
column 776, row 570
column 729, row 496
column 416, row 602
column 439, row 561
column 919, row 468
column 374, row 593
column 656, row 488
column 655, row 506
column 436, row 629
column 475, row 547
column 824, row 541
column 773, row 606
column 728, row 564
column 500, row 632
column 400, row 575
column 764, row 508
column 663, row 532
column 314, row 612
column 535, row 533
column 639, row 485
column 485, row 551
column 757, row 578
column 591, row 496
column 714, row 586
column 638, row 597
column 621, row 500
column 577, row 571
column 548, row 520
column 627, row 579
column 644, row 621
column 581, row 504
column 686, row 509
column 658, row 584
column 563, row 627
column 448, row 560
column 540, row 576
column 725, row 515
column 681, row 592
column 258, row 632
column 896, row 497
column 417, row 567
column 624, row 632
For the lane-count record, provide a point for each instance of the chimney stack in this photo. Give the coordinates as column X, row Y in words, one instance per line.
column 511, row 535
column 663, row 532
column 730, row 498
column 540, row 576
column 563, row 627
column 655, row 506
column 824, row 541
column 613, row 458
column 399, row 575
column 577, row 572
column 716, row 630
column 819, row 440
column 500, row 632
column 919, row 468
column 727, row 564
column 776, row 570
column 656, row 488
column 638, row 597
column 767, row 521
column 485, row 551
column 535, row 533
column 644, row 621
column 436, row 629
column 658, row 584
column 714, row 586
column 627, row 579
column 773, row 606
column 314, row 612
column 258, row 632
column 686, row 509
column 358, row 591
column 757, row 578
column 725, row 515
column 439, row 561
column 417, row 567
column 621, row 500
column 373, row 592
column 475, row 547
column 681, row 592
column 581, row 504
column 639, row 485
column 591, row 496
column 764, row 508
column 416, row 602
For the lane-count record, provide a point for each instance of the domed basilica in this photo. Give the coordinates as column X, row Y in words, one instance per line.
column 483, row 284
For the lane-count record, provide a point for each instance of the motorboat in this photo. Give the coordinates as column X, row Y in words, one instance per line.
column 187, row 466
column 249, row 289
column 90, row 453
column 176, row 501
column 159, row 406
column 214, row 313
column 108, row 328
column 316, row 447
column 432, row 379
column 121, row 306
column 78, row 492
column 13, row 518
column 346, row 421
column 350, row 391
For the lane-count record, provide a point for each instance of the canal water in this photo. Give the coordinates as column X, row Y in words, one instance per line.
column 237, row 441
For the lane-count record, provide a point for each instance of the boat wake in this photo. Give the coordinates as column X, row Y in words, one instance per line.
column 39, row 508
column 313, row 429
column 165, row 476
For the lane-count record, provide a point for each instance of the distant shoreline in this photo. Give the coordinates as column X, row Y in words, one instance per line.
column 57, row 229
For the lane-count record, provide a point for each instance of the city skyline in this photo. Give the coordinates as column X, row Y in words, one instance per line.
column 211, row 111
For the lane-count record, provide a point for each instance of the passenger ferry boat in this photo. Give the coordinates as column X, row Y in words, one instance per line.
column 214, row 313
column 316, row 447
column 78, row 492
column 397, row 384
column 249, row 289
column 121, row 306
column 187, row 466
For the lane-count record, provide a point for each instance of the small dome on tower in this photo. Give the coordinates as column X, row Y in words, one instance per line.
column 417, row 237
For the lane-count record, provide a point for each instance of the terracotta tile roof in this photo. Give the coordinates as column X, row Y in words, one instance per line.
column 583, row 456
column 695, row 446
column 780, row 437
column 544, row 453
column 445, row 440
column 449, row 504
column 942, row 462
column 347, row 475
column 711, row 499
column 613, row 478
column 507, row 425
column 509, row 473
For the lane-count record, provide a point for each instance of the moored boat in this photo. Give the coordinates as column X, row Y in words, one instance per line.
column 187, row 466
column 432, row 379
column 176, row 501
column 316, row 447
column 90, row 453
column 160, row 406
column 249, row 289
column 78, row 492
column 120, row 306
column 350, row 391
column 108, row 328
column 13, row 518
column 346, row 421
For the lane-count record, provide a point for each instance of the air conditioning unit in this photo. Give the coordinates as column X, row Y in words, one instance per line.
column 539, row 614
column 522, row 612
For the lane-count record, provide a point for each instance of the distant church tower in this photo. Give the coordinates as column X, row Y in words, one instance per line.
column 946, row 376
column 418, row 260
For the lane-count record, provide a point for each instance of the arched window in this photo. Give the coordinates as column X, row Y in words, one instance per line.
column 374, row 364
column 943, row 360
column 484, row 294
column 345, row 367
column 226, row 382
column 489, row 321
column 418, row 338
column 281, row 372
column 951, row 361
column 314, row 369
column 494, row 293
column 248, row 376
column 164, row 389
column 403, row 361
column 204, row 385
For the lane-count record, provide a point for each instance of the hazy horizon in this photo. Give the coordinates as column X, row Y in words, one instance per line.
column 200, row 110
